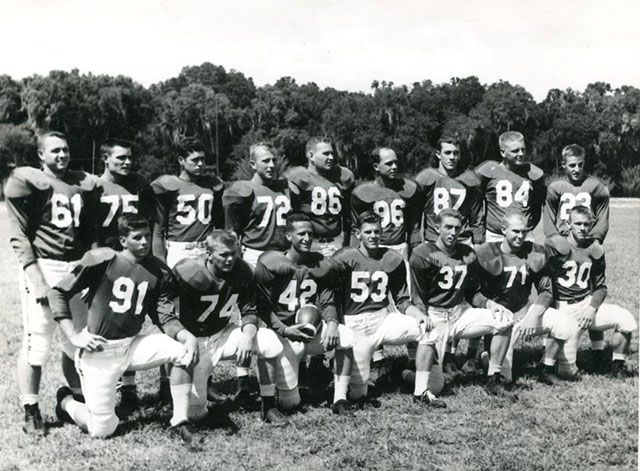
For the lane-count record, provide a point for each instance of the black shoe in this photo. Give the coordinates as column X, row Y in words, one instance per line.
column 342, row 407
column 598, row 362
column 274, row 416
column 545, row 375
column 33, row 424
column 129, row 401
column 471, row 368
column 164, row 393
column 495, row 386
column 366, row 401
column 187, row 432
column 428, row 399
column 61, row 414
column 619, row 370
column 451, row 371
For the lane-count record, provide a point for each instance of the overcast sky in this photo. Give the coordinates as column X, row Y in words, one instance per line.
column 343, row 44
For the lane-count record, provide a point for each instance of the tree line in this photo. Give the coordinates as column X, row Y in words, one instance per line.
column 228, row 112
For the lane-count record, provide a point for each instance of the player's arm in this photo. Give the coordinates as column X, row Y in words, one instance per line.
column 267, row 298
column 147, row 205
column 357, row 207
column 544, row 298
column 249, row 318
column 236, row 210
column 162, row 220
column 418, row 267
column 326, row 301
column 347, row 221
column 476, row 216
column 550, row 213
column 538, row 196
column 418, row 215
column 217, row 210
column 600, row 204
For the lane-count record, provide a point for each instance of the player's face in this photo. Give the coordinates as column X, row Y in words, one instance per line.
column 119, row 161
column 264, row 163
column 222, row 257
column 193, row 164
column 448, row 155
column 321, row 157
column 369, row 235
column 574, row 168
column 580, row 225
column 54, row 154
column 388, row 165
column 138, row 242
column 515, row 232
column 449, row 230
column 301, row 236
column 514, row 153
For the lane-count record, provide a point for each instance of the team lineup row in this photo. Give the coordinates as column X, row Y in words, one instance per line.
column 463, row 235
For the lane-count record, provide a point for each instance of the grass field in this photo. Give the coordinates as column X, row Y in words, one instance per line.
column 587, row 425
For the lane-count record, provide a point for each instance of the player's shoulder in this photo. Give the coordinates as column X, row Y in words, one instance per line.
column 488, row 168
column 536, row 256
column 193, row 273
column 211, row 181
column 98, row 256
column 427, row 177
column 488, row 257
column 346, row 253
column 243, row 271
column 469, row 178
column 346, row 176
column 391, row 259
column 557, row 244
column 367, row 191
column 23, row 180
column 558, row 185
column 273, row 261
column 240, row 189
column 297, row 175
column 596, row 186
column 534, row 172
column 166, row 184
column 137, row 180
column 596, row 250
column 407, row 188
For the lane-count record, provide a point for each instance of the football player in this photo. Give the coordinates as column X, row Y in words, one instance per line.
column 512, row 183
column 123, row 287
column 322, row 191
column 214, row 291
column 507, row 271
column 563, row 194
column 188, row 207
column 442, row 279
column 257, row 209
column 369, row 277
column 393, row 198
column 51, row 226
column 446, row 187
column 578, row 265
column 288, row 281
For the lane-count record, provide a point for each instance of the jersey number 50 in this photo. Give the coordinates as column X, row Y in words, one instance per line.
column 187, row 213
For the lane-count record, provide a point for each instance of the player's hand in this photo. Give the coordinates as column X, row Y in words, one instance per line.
column 587, row 316
column 294, row 333
column 427, row 323
column 245, row 347
column 499, row 312
column 529, row 328
column 87, row 341
column 190, row 350
column 331, row 336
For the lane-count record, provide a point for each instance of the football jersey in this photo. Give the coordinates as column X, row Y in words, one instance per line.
column 507, row 278
column 283, row 287
column 324, row 198
column 441, row 191
column 364, row 283
column 208, row 303
column 258, row 213
column 121, row 293
column 576, row 272
column 187, row 211
column 562, row 195
column 395, row 204
column 49, row 217
column 132, row 194
column 439, row 279
column 504, row 189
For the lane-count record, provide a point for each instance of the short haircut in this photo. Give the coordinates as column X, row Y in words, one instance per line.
column 580, row 210
column 455, row 141
column 188, row 145
column 296, row 217
column 314, row 141
column 509, row 136
column 573, row 150
column 368, row 217
column 264, row 145
column 44, row 136
column 108, row 145
column 375, row 154
column 129, row 222
column 227, row 238
column 449, row 213
column 512, row 213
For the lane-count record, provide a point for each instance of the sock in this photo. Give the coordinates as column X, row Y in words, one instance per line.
column 597, row 345
column 73, row 408
column 268, row 402
column 359, row 390
column 243, row 382
column 242, row 371
column 288, row 399
column 340, row 388
column 28, row 399
column 619, row 357
column 493, row 367
column 549, row 361
column 127, row 380
column 78, row 391
column 378, row 355
column 422, row 382
column 180, row 396
column 267, row 390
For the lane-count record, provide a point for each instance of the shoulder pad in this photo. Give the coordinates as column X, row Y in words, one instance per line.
column 488, row 256
column 344, row 252
column 139, row 180
column 297, row 174
column 21, row 179
column 469, row 178
column 245, row 271
column 280, row 185
column 166, row 183
column 427, row 177
column 408, row 188
column 213, row 182
column 365, row 192
column 274, row 261
column 554, row 184
column 536, row 256
column 558, row 244
column 193, row 273
column 596, row 250
column 486, row 168
column 97, row 256
column 85, row 180
column 391, row 259
column 598, row 186
column 240, row 188
column 535, row 172
column 346, row 177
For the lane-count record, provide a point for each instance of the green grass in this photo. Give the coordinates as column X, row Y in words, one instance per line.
column 588, row 425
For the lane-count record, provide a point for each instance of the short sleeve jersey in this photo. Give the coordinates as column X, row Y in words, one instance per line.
column 324, row 198
column 444, row 192
column 258, row 213
column 395, row 204
column 507, row 278
column 283, row 287
column 365, row 283
column 441, row 280
column 187, row 211
column 562, row 195
column 207, row 303
column 504, row 189
column 49, row 217
column 132, row 194
column 576, row 272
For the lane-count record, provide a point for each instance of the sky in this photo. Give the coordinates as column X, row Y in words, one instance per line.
column 345, row 44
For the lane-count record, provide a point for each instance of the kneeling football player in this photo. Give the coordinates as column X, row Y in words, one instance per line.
column 290, row 289
column 123, row 287
column 212, row 290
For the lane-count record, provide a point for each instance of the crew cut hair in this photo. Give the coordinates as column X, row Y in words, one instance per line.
column 129, row 222
column 509, row 136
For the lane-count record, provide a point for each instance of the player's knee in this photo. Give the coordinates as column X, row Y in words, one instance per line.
column 102, row 425
column 626, row 323
column 288, row 398
column 268, row 344
column 563, row 328
column 566, row 369
column 37, row 347
column 347, row 338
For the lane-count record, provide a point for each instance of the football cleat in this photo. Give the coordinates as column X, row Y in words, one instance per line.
column 187, row 432
column 495, row 386
column 33, row 424
column 545, row 374
column 451, row 371
column 310, row 318
column 342, row 407
column 366, row 401
column 598, row 363
column 471, row 368
column 619, row 369
column 274, row 416
column 129, row 401
column 428, row 399
column 164, row 392
column 62, row 414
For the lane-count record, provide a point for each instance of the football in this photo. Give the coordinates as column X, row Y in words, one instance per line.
column 311, row 319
